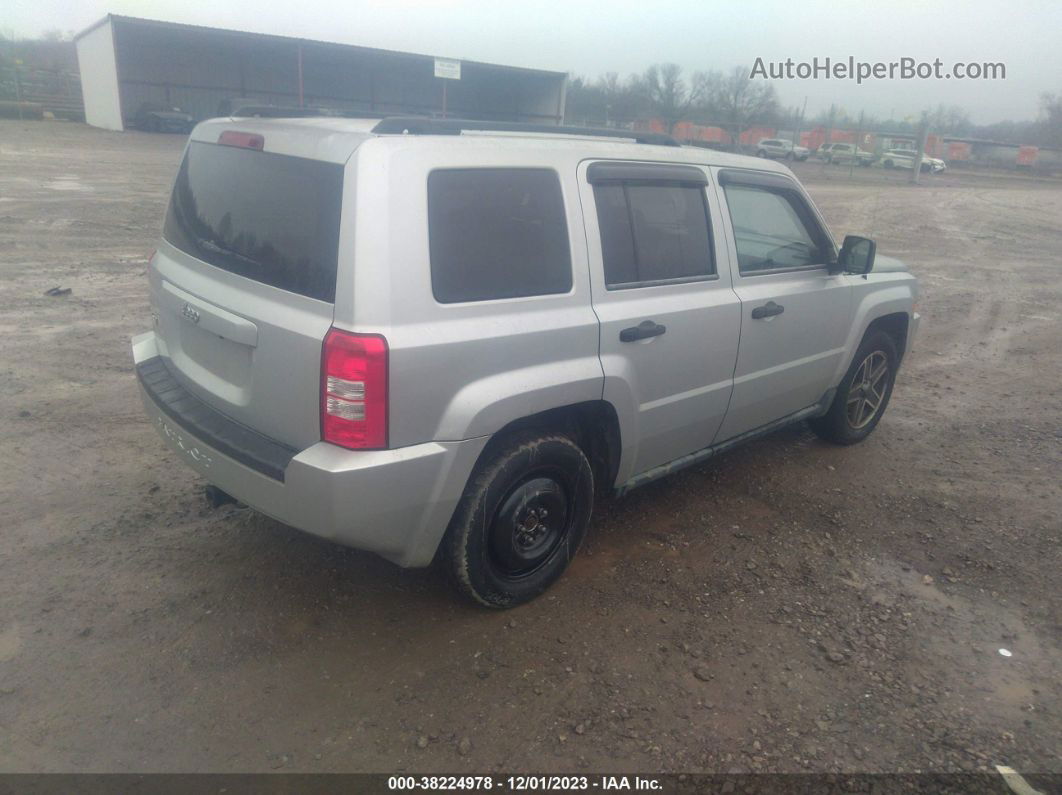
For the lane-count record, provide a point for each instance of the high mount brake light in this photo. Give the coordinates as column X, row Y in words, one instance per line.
column 354, row 390
column 242, row 139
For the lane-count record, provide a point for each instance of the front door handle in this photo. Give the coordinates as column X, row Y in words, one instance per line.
column 644, row 330
column 770, row 309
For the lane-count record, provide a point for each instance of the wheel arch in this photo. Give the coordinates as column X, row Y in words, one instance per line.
column 593, row 425
column 886, row 306
column 896, row 325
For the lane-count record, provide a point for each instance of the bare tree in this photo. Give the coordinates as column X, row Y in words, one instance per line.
column 668, row 95
column 740, row 102
column 621, row 99
column 1051, row 119
column 608, row 100
column 949, row 120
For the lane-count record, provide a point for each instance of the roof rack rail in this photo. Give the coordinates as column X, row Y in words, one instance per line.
column 418, row 125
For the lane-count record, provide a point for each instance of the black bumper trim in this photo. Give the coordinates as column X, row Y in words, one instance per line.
column 225, row 435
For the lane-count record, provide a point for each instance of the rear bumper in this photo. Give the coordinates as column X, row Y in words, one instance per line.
column 396, row 503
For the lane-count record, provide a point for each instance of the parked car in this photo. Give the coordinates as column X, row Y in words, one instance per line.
column 905, row 158
column 779, row 147
column 431, row 344
column 152, row 117
column 822, row 151
column 846, row 153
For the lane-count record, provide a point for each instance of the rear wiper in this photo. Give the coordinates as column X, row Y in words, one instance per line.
column 217, row 248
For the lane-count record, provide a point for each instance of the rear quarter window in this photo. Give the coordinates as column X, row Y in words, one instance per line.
column 497, row 233
column 264, row 216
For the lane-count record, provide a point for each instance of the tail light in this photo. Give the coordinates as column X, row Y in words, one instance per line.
column 354, row 390
column 244, row 140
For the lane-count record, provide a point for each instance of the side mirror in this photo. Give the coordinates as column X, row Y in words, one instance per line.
column 857, row 255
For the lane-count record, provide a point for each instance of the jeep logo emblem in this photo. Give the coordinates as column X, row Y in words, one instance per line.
column 189, row 313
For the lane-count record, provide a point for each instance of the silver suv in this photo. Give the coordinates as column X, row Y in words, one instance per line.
column 779, row 147
column 441, row 339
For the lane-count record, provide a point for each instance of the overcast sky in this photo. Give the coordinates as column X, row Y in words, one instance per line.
column 590, row 37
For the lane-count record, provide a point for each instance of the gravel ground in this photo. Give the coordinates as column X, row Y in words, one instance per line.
column 790, row 606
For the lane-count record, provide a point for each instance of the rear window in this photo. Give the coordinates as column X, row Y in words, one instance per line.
column 497, row 233
column 267, row 217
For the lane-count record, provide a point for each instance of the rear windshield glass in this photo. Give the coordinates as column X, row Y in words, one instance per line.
column 271, row 218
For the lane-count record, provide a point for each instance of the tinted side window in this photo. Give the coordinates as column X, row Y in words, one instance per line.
column 771, row 230
column 653, row 232
column 497, row 233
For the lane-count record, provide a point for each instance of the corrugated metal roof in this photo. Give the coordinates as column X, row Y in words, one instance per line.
column 180, row 26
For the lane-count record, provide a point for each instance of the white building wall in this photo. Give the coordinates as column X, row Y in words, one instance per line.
column 99, row 77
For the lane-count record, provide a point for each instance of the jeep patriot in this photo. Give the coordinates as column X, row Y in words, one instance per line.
column 439, row 340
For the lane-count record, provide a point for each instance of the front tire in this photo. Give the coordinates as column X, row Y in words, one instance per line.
column 863, row 394
column 521, row 520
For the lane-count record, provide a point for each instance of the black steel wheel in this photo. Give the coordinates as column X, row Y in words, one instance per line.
column 522, row 517
column 529, row 524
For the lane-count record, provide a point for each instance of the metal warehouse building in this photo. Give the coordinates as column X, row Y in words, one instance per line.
column 126, row 62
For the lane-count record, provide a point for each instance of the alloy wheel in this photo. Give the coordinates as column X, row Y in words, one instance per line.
column 867, row 391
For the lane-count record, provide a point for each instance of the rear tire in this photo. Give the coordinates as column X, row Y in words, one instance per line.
column 521, row 520
column 762, row 153
column 888, row 164
column 863, row 394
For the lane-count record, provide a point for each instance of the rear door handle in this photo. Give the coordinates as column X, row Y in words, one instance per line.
column 770, row 309
column 644, row 330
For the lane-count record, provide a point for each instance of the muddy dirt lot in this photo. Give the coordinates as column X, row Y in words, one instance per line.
column 791, row 606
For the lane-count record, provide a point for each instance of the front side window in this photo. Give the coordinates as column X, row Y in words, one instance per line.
column 771, row 230
column 497, row 233
column 653, row 233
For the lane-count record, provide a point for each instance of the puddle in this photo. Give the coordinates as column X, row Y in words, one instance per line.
column 67, row 182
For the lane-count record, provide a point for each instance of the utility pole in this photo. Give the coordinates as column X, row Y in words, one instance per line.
column 855, row 154
column 800, row 123
column 829, row 131
column 18, row 89
column 299, row 60
column 923, row 132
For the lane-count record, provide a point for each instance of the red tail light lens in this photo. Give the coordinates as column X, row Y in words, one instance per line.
column 354, row 390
